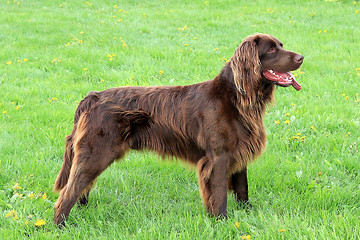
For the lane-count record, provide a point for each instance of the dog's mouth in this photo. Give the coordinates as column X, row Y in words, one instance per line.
column 282, row 79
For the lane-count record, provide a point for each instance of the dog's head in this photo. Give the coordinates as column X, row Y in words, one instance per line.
column 262, row 58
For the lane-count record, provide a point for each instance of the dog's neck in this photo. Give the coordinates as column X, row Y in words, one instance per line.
column 264, row 93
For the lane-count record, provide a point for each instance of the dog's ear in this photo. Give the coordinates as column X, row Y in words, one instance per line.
column 245, row 65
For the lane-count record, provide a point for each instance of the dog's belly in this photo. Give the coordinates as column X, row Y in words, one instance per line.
column 166, row 142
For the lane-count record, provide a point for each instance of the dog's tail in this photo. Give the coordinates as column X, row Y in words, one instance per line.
column 64, row 173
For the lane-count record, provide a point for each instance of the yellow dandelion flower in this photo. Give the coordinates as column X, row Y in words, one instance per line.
column 101, row 80
column 54, row 99
column 347, row 98
column 216, row 49
column 186, row 44
column 287, row 122
column 282, row 230
column 44, row 196
column 31, row 195
column 109, row 56
column 277, row 122
column 124, row 45
column 312, row 127
column 16, row 186
column 237, row 224
column 120, row 10
column 287, row 114
column 161, row 72
column 246, row 237
column 357, row 11
column 4, row 112
column 39, row 222
column 18, row 107
column 12, row 214
column 85, row 69
column 26, row 60
column 9, row 62
column 115, row 6
column 120, row 20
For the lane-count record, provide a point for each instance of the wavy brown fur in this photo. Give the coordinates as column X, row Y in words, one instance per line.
column 216, row 125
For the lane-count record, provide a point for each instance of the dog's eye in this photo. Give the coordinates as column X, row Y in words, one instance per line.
column 271, row 50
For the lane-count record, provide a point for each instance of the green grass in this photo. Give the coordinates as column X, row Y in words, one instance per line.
column 307, row 189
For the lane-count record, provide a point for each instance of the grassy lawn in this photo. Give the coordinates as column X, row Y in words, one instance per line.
column 306, row 185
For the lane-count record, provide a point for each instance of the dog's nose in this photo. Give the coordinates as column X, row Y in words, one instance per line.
column 299, row 58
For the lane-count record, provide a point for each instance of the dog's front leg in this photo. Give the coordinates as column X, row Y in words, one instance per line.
column 213, row 181
column 239, row 184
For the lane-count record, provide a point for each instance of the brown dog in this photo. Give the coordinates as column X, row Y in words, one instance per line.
column 216, row 125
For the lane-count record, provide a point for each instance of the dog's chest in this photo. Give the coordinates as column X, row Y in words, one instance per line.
column 249, row 142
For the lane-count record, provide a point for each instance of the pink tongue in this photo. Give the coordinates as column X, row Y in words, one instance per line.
column 280, row 78
column 296, row 85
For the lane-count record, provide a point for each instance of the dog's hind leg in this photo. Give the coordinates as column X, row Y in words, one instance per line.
column 87, row 167
column 94, row 151
column 84, row 196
